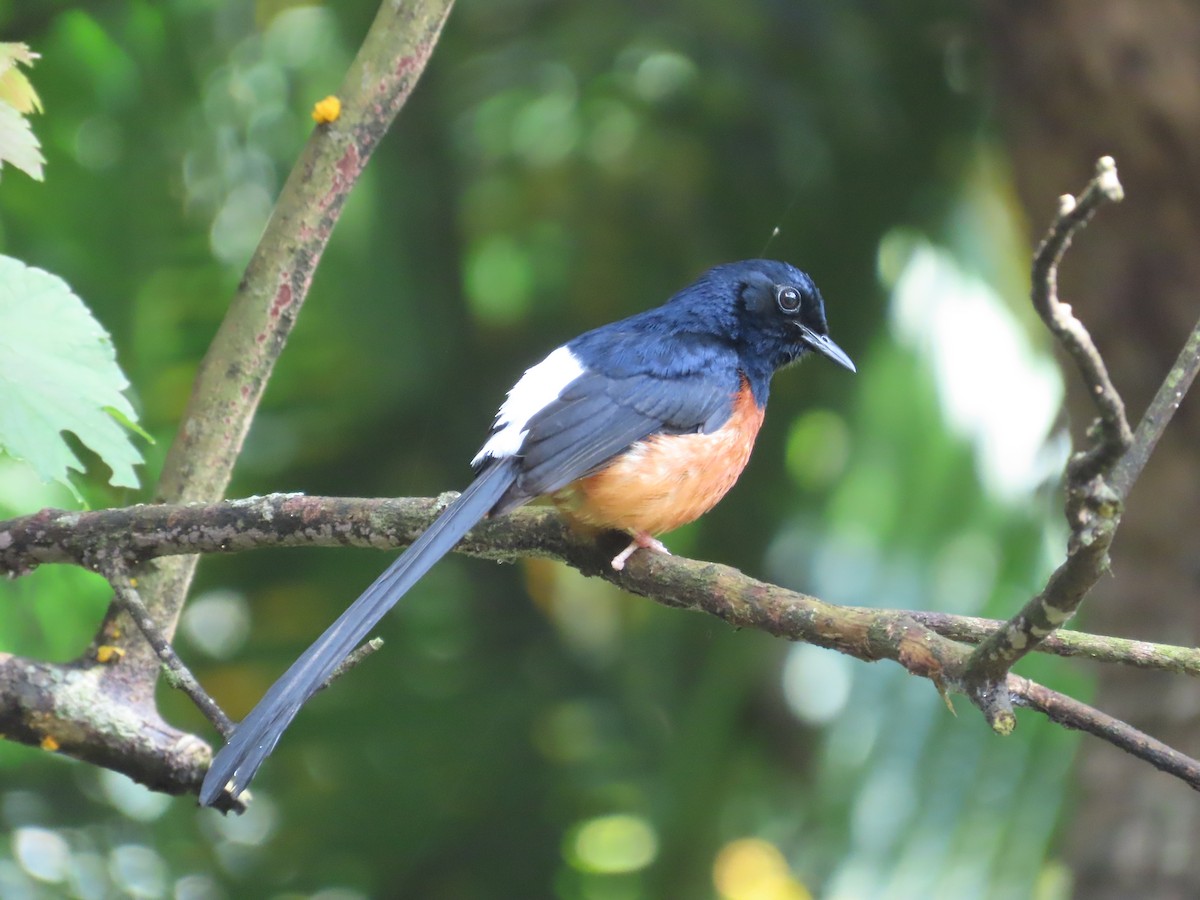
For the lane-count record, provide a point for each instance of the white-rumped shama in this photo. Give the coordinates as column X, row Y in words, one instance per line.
column 641, row 425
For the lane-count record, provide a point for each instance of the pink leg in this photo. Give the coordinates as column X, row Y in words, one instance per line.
column 641, row 541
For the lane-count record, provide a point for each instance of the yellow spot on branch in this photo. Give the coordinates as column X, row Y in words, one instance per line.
column 327, row 110
column 1004, row 724
column 49, row 744
column 106, row 654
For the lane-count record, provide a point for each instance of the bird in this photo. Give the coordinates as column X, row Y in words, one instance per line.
column 640, row 426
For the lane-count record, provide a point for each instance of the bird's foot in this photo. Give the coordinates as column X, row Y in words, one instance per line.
column 641, row 541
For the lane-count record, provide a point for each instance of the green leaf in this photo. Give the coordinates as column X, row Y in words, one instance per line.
column 58, row 373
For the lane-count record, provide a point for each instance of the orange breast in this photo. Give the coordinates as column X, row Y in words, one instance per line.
column 667, row 480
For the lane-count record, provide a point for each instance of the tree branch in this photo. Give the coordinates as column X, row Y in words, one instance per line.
column 1093, row 508
column 1096, row 647
column 1114, row 436
column 70, row 709
column 1170, row 394
column 296, row 520
column 143, row 532
column 180, row 676
column 1073, row 714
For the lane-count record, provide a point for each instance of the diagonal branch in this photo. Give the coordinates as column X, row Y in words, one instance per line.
column 127, row 598
column 1071, row 713
column 235, row 370
column 1170, row 394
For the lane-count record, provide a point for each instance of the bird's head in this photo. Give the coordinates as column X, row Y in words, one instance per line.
column 780, row 313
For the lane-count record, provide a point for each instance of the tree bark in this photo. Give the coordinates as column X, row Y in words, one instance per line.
column 1076, row 81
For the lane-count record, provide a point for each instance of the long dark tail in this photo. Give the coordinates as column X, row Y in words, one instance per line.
column 254, row 739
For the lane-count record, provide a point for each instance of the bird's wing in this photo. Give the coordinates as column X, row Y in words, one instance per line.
column 597, row 416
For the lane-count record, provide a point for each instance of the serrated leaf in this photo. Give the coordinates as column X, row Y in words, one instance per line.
column 17, row 91
column 58, row 373
column 18, row 144
column 14, row 52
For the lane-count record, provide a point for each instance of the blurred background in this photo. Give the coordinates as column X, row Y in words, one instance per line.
column 529, row 733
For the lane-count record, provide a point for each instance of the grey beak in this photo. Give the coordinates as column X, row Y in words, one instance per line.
column 822, row 344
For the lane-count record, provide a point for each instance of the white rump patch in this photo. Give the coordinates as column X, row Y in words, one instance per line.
column 538, row 387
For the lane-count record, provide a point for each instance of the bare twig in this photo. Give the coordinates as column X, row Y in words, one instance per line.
column 359, row 654
column 1158, row 414
column 1097, row 648
column 1081, row 717
column 1073, row 214
column 1093, row 507
column 180, row 676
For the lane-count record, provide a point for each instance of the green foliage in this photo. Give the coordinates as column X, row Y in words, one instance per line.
column 58, row 373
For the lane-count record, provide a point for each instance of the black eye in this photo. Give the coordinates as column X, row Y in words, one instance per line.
column 788, row 299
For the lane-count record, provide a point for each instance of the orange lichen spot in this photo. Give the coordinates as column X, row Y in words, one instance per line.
column 327, row 110
column 133, row 582
column 106, row 654
column 49, row 744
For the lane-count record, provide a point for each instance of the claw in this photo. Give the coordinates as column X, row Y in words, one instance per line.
column 641, row 541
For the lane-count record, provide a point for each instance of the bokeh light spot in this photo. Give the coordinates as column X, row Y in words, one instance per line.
column 138, row 871
column 818, row 448
column 42, row 853
column 816, row 683
column 546, row 130
column 217, row 622
column 754, row 869
column 612, row 130
column 662, row 74
column 99, row 144
column 499, row 280
column 567, row 732
column 996, row 387
column 134, row 800
column 239, row 223
column 612, row 845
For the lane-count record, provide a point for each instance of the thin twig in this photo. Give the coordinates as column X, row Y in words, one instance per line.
column 1095, row 647
column 359, row 654
column 1073, row 214
column 178, row 674
column 1081, row 717
column 1158, row 415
